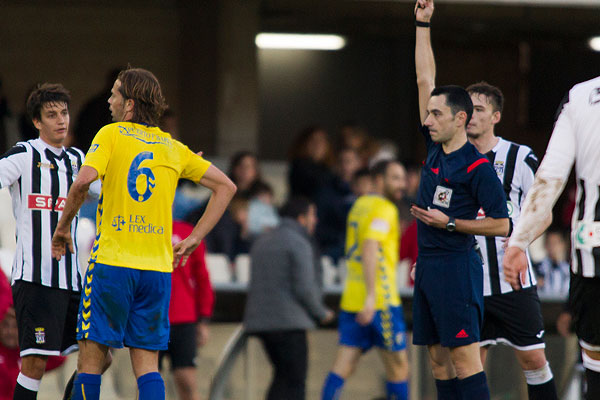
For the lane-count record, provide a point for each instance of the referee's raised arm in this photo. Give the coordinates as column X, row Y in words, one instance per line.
column 424, row 60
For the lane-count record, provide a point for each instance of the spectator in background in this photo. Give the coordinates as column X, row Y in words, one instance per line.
column 244, row 171
column 283, row 298
column 190, row 308
column 333, row 204
column 94, row 114
column 361, row 182
column 553, row 271
column 413, row 179
column 311, row 160
column 10, row 360
column 262, row 215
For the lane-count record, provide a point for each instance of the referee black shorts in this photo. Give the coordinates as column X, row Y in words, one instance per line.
column 46, row 319
column 182, row 346
column 584, row 299
column 515, row 319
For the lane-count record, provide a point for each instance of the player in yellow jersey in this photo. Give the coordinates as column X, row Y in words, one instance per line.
column 127, row 287
column 371, row 313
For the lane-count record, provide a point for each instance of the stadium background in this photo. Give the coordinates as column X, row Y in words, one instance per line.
column 229, row 95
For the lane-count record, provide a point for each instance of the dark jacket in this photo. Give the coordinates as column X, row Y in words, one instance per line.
column 283, row 293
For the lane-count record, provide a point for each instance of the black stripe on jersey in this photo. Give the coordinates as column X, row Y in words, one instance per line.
column 532, row 162
column 493, row 264
column 509, row 172
column 54, row 191
column 491, row 156
column 581, row 211
column 596, row 250
column 14, row 150
column 36, row 218
column 564, row 101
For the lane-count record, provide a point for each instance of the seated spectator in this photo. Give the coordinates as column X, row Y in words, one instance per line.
column 311, row 160
column 361, row 182
column 244, row 171
column 553, row 272
column 333, row 204
column 284, row 299
column 262, row 215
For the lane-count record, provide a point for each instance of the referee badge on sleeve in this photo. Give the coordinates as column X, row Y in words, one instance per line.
column 442, row 196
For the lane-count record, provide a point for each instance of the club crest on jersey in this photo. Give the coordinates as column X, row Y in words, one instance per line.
column 499, row 167
column 40, row 335
column 442, row 196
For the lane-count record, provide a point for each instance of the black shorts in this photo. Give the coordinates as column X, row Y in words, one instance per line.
column 46, row 319
column 584, row 299
column 182, row 346
column 513, row 318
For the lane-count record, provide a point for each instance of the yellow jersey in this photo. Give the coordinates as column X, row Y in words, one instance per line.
column 139, row 167
column 371, row 217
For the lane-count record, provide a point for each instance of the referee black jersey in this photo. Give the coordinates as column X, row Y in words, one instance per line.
column 39, row 177
column 515, row 166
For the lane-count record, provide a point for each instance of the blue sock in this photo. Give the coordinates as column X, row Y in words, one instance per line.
column 151, row 386
column 397, row 390
column 332, row 389
column 474, row 387
column 447, row 389
column 87, row 386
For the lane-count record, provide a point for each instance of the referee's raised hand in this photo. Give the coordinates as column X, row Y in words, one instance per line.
column 61, row 241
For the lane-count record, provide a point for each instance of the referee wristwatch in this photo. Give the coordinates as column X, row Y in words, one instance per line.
column 451, row 225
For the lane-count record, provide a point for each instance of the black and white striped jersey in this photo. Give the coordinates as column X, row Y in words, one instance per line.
column 515, row 166
column 38, row 177
column 576, row 139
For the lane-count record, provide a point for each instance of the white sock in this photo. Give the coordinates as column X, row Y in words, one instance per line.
column 538, row 376
column 28, row 383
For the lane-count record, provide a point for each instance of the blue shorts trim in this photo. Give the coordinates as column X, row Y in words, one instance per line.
column 125, row 306
column 448, row 300
column 386, row 331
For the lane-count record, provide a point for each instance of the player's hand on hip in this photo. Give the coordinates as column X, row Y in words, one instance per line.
column 365, row 316
column 183, row 249
column 424, row 10
column 515, row 266
column 61, row 241
column 431, row 216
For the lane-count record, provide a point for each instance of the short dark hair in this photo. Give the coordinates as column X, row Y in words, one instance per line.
column 381, row 167
column 494, row 94
column 457, row 99
column 46, row 93
column 296, row 206
column 361, row 173
column 143, row 88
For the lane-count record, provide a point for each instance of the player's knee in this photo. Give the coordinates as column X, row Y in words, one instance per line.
column 532, row 360
column 107, row 361
column 33, row 366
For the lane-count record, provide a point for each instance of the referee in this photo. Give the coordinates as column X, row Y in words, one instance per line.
column 575, row 139
column 39, row 173
column 515, row 166
column 456, row 182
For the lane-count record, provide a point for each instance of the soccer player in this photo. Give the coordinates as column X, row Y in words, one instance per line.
column 127, row 286
column 515, row 166
column 575, row 139
column 456, row 181
column 371, row 312
column 46, row 292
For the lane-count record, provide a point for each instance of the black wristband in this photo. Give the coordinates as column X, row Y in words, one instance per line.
column 422, row 24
